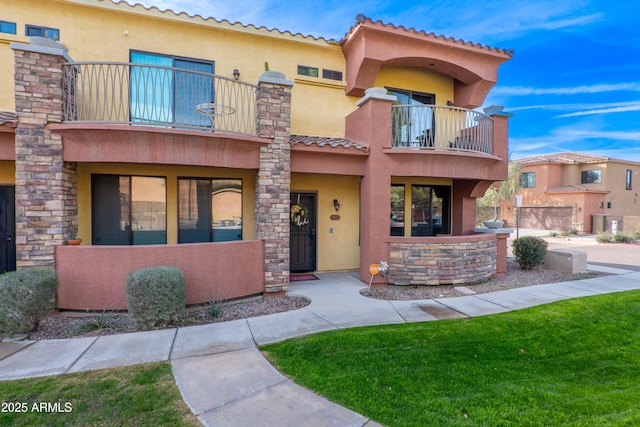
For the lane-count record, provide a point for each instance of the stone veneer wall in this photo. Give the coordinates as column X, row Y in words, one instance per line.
column 442, row 263
column 46, row 191
column 274, row 179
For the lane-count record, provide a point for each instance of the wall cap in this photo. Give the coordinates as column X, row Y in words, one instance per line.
column 274, row 77
column 376, row 93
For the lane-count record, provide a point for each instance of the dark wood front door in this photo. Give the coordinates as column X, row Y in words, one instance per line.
column 303, row 233
column 7, row 229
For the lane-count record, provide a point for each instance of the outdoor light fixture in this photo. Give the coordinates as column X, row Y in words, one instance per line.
column 236, row 74
column 336, row 204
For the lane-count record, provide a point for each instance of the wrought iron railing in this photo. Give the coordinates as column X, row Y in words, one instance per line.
column 439, row 127
column 150, row 95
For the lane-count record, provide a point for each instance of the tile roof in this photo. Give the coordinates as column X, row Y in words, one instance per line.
column 322, row 141
column 566, row 158
column 361, row 18
column 182, row 14
column 8, row 117
column 573, row 189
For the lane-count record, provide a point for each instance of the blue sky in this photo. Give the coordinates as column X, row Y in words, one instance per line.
column 573, row 83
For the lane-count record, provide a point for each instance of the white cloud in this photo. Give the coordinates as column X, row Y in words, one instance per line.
column 576, row 90
column 610, row 110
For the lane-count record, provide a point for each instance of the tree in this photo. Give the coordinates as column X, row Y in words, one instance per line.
column 499, row 192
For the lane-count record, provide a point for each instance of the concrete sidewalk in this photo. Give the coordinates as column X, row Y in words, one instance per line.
column 226, row 381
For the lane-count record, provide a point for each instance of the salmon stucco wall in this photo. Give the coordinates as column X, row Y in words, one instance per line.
column 223, row 270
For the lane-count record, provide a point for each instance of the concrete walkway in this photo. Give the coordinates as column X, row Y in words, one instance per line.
column 226, row 381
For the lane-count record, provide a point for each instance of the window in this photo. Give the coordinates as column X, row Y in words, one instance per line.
column 209, row 210
column 628, row 179
column 397, row 210
column 7, row 27
column 128, row 210
column 331, row 74
column 591, row 177
column 413, row 126
column 608, row 205
column 601, row 205
column 36, row 30
column 161, row 94
column 430, row 206
column 303, row 70
column 528, row 180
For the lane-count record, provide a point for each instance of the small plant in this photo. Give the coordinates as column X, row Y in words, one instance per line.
column 529, row 252
column 622, row 237
column 26, row 297
column 106, row 320
column 215, row 307
column 155, row 296
column 604, row 237
column 553, row 234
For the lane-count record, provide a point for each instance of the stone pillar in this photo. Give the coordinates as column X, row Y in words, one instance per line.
column 46, row 191
column 273, row 185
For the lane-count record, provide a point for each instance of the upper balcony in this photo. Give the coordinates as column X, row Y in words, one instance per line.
column 157, row 96
column 140, row 113
column 443, row 128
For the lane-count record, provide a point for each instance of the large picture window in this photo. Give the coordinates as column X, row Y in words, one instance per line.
column 209, row 210
column 430, row 210
column 128, row 210
column 165, row 95
column 591, row 177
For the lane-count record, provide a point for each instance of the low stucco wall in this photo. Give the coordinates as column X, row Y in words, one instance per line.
column 94, row 277
column 442, row 260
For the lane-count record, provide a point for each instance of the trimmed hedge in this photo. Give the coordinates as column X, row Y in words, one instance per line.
column 155, row 296
column 26, row 297
column 529, row 252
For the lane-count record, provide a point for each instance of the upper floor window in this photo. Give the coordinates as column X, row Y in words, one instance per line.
column 413, row 123
column 303, row 70
column 39, row 31
column 7, row 27
column 128, row 210
column 161, row 94
column 528, row 180
column 209, row 210
column 628, row 179
column 591, row 177
column 331, row 74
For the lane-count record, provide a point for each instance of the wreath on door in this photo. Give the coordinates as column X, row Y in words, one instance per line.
column 299, row 214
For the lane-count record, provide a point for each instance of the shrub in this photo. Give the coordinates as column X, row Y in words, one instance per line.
column 26, row 297
column 604, row 237
column 622, row 237
column 529, row 251
column 155, row 296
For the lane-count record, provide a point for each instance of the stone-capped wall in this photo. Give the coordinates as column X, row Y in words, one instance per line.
column 46, row 191
column 273, row 185
column 442, row 262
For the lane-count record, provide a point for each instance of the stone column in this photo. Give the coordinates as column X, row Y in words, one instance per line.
column 46, row 191
column 273, row 185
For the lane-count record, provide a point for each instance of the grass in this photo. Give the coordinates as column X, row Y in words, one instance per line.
column 141, row 395
column 571, row 363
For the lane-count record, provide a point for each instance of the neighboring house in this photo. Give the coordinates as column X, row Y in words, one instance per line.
column 572, row 191
column 162, row 139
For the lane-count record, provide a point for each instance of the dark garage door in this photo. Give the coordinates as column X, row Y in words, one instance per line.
column 546, row 218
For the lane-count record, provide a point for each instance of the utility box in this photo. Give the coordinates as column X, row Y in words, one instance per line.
column 566, row 261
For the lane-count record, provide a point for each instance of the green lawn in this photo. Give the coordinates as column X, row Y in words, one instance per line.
column 141, row 395
column 571, row 363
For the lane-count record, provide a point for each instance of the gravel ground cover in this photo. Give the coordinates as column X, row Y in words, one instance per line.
column 73, row 324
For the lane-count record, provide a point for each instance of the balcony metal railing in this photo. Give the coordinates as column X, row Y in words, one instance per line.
column 439, row 127
column 150, row 95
